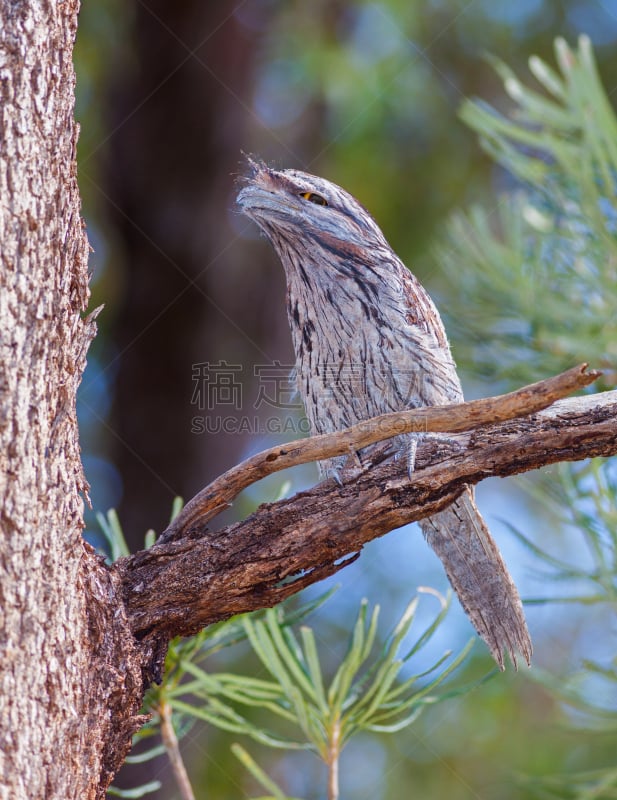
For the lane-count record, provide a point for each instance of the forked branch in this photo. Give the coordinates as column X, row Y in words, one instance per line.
column 199, row 577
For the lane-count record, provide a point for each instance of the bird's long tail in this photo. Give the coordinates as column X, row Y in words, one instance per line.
column 478, row 575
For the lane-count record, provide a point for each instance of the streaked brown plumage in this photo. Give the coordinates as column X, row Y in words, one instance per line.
column 368, row 340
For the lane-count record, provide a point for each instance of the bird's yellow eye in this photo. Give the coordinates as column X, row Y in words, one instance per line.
column 314, row 198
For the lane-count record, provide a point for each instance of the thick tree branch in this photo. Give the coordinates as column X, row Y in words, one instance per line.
column 180, row 586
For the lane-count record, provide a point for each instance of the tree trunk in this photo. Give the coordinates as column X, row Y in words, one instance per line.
column 56, row 625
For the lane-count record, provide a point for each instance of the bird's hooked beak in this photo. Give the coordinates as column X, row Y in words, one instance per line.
column 264, row 193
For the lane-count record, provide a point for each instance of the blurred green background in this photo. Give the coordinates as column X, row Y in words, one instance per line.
column 366, row 94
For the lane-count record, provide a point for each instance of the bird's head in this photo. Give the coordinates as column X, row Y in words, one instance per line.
column 304, row 212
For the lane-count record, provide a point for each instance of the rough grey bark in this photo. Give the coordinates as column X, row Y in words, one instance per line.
column 58, row 633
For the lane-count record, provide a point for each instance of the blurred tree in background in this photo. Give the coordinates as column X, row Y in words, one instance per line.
column 367, row 94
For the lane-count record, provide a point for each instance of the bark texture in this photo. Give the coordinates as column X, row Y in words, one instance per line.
column 59, row 627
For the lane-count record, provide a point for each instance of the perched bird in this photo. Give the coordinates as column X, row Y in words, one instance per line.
column 368, row 340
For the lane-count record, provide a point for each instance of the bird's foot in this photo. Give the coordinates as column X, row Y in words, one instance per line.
column 412, row 447
column 409, row 450
column 335, row 474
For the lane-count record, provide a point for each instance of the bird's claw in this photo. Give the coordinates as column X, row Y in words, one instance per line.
column 335, row 474
column 411, row 456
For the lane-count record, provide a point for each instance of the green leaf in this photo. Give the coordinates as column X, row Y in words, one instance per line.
column 432, row 628
column 290, row 654
column 147, row 755
column 276, row 793
column 352, row 661
column 314, row 668
column 176, row 508
column 224, row 717
column 112, row 530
